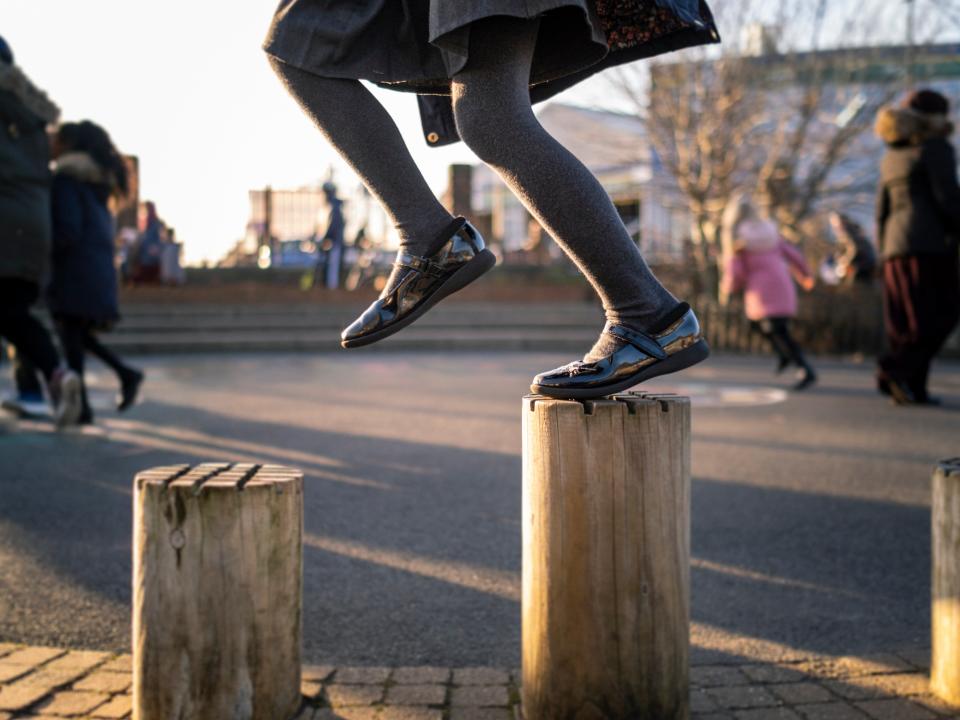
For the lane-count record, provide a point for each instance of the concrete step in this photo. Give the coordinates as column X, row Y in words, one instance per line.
column 246, row 327
column 228, row 324
column 511, row 338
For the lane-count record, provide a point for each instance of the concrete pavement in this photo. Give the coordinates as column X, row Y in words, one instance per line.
column 810, row 512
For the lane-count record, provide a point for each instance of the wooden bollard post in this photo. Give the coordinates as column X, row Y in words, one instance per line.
column 606, row 557
column 217, row 578
column 945, row 610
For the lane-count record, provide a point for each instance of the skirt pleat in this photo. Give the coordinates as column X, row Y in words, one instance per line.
column 418, row 45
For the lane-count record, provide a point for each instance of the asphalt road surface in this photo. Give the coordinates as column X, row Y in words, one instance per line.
column 810, row 512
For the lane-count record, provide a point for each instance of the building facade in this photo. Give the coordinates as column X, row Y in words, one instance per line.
column 614, row 146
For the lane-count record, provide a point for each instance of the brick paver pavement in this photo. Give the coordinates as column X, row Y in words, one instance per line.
column 49, row 683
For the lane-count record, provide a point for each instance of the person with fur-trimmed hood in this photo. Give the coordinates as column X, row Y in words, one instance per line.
column 918, row 226
column 89, row 171
column 25, row 113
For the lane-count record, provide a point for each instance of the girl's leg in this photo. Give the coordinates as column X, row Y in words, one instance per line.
column 130, row 378
column 71, row 332
column 765, row 328
column 22, row 329
column 25, row 378
column 359, row 128
column 106, row 356
column 781, row 329
column 494, row 117
column 32, row 340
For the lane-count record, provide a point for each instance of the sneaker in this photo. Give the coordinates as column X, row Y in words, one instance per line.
column 26, row 406
column 66, row 396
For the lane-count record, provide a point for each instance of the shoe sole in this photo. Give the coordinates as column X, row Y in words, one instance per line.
column 71, row 402
column 482, row 263
column 696, row 353
column 27, row 410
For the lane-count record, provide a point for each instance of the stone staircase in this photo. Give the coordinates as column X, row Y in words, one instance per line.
column 197, row 327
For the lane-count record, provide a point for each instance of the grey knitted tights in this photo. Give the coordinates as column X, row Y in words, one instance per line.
column 492, row 109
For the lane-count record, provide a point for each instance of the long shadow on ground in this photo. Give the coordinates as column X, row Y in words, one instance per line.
column 413, row 549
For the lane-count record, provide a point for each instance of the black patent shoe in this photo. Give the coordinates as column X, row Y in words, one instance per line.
column 640, row 357
column 418, row 283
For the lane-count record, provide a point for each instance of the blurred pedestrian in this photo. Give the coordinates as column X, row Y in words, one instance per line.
column 483, row 63
column 83, row 285
column 918, row 225
column 759, row 263
column 857, row 261
column 171, row 272
column 331, row 244
column 25, row 112
column 146, row 259
column 126, row 248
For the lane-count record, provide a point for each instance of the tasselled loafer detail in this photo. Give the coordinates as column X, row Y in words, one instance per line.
column 416, row 284
column 641, row 356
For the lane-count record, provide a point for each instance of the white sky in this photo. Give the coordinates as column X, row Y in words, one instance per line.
column 184, row 85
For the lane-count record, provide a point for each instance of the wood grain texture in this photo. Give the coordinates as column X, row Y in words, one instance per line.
column 606, row 557
column 945, row 609
column 217, row 592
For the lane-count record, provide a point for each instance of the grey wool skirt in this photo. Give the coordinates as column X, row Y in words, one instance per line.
column 418, row 45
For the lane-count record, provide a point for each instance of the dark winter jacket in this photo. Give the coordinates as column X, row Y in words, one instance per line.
column 83, row 283
column 24, row 177
column 918, row 204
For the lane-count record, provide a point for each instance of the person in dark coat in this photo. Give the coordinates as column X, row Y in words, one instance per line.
column 83, row 284
column 332, row 242
column 486, row 61
column 918, row 224
column 25, row 112
column 147, row 251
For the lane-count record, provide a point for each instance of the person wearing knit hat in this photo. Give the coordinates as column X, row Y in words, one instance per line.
column 918, row 230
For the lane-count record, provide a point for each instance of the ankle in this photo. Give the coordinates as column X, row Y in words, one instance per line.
column 652, row 323
column 428, row 237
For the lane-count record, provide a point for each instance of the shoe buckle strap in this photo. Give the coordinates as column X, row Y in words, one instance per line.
column 641, row 341
column 420, row 264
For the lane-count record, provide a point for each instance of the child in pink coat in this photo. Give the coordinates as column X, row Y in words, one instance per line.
column 760, row 263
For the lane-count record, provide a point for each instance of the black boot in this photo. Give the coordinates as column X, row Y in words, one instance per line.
column 807, row 377
column 130, row 381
